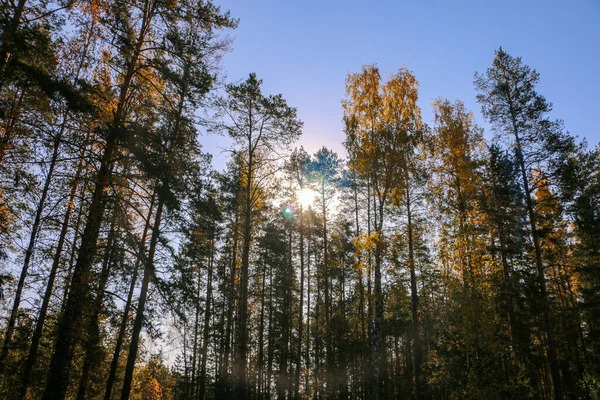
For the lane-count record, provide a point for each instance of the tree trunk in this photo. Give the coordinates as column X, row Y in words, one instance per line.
column 29, row 253
column 73, row 252
column 242, row 325
column 307, row 354
column 271, row 334
column 139, row 316
column 77, row 301
column 552, row 359
column 93, row 340
column 261, row 355
column 414, row 297
column 39, row 327
column 78, row 298
column 377, row 328
column 123, row 327
column 207, row 316
column 192, row 392
column 301, row 308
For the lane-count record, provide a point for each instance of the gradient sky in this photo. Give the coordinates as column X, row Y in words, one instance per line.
column 305, row 49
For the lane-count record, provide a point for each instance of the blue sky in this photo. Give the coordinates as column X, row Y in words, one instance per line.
column 305, row 49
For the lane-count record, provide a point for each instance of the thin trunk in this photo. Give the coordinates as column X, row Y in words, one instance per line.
column 73, row 252
column 77, row 301
column 301, row 308
column 192, row 391
column 242, row 325
column 377, row 326
column 224, row 375
column 29, row 253
column 220, row 337
column 369, row 375
column 508, row 291
column 307, row 354
column 361, row 301
column 124, row 320
column 93, row 340
column 271, row 334
column 552, row 358
column 139, row 316
column 328, row 329
column 283, row 377
column 261, row 355
column 318, row 369
column 207, row 314
column 78, row 298
column 289, row 298
column 343, row 365
column 414, row 297
column 39, row 326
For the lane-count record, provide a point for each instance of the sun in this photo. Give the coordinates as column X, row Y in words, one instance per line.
column 306, row 197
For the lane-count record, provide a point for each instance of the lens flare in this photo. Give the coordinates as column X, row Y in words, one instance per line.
column 288, row 211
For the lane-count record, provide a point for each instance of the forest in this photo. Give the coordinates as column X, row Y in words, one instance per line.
column 427, row 262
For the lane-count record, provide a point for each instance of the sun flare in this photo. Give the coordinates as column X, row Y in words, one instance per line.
column 306, row 197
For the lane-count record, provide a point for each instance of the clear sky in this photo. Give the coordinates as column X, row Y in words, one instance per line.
column 305, row 49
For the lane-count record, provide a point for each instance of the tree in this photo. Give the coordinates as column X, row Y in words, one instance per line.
column 509, row 101
column 403, row 119
column 375, row 116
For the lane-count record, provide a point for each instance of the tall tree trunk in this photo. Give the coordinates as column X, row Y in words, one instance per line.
column 193, row 385
column 343, row 340
column 271, row 335
column 301, row 308
column 78, row 298
column 73, row 252
column 242, row 323
column 224, row 381
column 93, row 330
column 307, row 354
column 77, row 301
column 207, row 316
column 552, row 358
column 39, row 326
column 369, row 375
column 261, row 329
column 29, row 253
column 329, row 356
column 318, row 347
column 361, row 302
column 139, row 316
column 414, row 297
column 377, row 326
column 128, row 303
column 289, row 338
column 508, row 290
